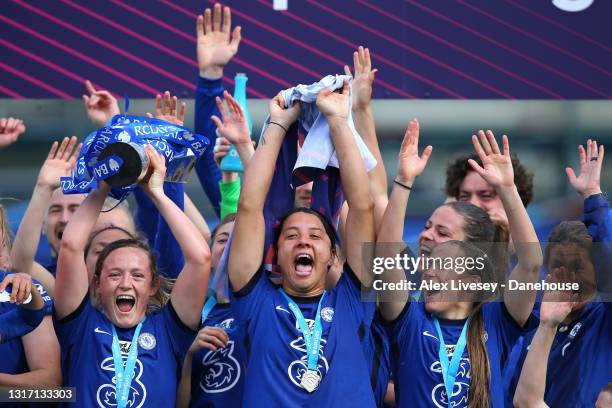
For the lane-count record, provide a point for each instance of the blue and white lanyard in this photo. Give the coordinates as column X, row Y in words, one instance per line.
column 208, row 307
column 124, row 375
column 451, row 368
column 312, row 339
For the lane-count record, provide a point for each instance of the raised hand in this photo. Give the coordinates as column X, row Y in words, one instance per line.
column 499, row 217
column 222, row 147
column 153, row 182
column 59, row 162
column 587, row 183
column 215, row 45
column 21, row 287
column 497, row 166
column 101, row 105
column 334, row 104
column 281, row 115
column 557, row 304
column 168, row 112
column 410, row 165
column 234, row 127
column 10, row 130
column 364, row 77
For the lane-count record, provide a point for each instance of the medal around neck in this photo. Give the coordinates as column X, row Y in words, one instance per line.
column 116, row 154
column 310, row 380
column 312, row 339
column 124, row 373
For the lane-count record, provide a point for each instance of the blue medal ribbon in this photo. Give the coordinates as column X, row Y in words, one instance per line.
column 124, row 375
column 311, row 338
column 208, row 307
column 450, row 368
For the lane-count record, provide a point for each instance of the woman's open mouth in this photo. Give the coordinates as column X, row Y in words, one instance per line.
column 125, row 303
column 303, row 265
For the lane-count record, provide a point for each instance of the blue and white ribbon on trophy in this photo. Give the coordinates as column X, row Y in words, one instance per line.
column 177, row 144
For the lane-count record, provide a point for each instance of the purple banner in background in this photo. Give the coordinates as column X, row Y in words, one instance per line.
column 443, row 49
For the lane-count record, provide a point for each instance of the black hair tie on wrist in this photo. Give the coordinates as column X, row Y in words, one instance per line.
column 403, row 185
column 278, row 124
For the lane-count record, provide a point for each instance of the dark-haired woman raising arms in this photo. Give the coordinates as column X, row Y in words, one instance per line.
column 304, row 348
column 118, row 346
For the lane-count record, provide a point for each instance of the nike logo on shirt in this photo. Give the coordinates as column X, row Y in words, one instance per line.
column 426, row 333
column 98, row 330
column 282, row 308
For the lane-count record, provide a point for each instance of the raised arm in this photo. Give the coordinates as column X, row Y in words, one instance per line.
column 246, row 253
column 234, row 130
column 360, row 218
column 597, row 213
column 190, row 287
column 234, row 127
column 10, row 130
column 532, row 383
column 58, row 163
column 72, row 280
column 364, row 123
column 101, row 105
column 167, row 109
column 196, row 217
column 46, row 279
column 410, row 166
column 498, row 172
column 597, row 217
column 217, row 43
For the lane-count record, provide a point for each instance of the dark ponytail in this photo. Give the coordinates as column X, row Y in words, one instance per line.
column 481, row 235
column 478, row 395
column 480, row 370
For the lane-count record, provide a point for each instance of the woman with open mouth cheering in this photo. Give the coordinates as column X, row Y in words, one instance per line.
column 304, row 347
column 119, row 345
column 448, row 350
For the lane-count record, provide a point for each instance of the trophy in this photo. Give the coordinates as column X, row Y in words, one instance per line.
column 135, row 163
column 116, row 154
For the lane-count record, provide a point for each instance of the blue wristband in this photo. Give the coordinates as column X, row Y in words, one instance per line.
column 19, row 322
column 31, row 318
